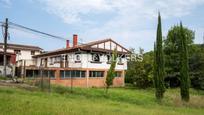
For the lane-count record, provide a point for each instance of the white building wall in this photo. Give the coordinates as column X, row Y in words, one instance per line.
column 24, row 54
column 86, row 62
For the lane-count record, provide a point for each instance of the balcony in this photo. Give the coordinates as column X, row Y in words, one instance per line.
column 31, row 63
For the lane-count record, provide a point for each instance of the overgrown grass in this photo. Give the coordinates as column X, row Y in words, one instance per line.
column 4, row 78
column 119, row 101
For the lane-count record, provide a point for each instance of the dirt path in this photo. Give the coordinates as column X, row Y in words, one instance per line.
column 10, row 83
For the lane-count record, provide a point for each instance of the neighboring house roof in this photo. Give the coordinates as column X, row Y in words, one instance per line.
column 86, row 47
column 21, row 47
column 7, row 53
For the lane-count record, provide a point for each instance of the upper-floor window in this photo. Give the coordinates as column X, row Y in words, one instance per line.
column 57, row 59
column 95, row 57
column 109, row 58
column 120, row 61
column 66, row 58
column 78, row 58
column 32, row 52
column 51, row 60
column 17, row 51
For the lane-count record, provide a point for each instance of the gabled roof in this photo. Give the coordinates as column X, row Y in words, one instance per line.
column 21, row 47
column 86, row 47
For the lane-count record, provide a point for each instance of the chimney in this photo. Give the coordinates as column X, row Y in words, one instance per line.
column 75, row 40
column 67, row 44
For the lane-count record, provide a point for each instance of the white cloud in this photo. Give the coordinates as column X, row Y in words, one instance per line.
column 70, row 11
column 133, row 22
column 5, row 3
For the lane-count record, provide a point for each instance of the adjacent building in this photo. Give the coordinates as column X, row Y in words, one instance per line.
column 18, row 56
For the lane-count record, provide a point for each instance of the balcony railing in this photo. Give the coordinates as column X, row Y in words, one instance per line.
column 31, row 62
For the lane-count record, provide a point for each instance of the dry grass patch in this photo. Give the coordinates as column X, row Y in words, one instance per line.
column 196, row 99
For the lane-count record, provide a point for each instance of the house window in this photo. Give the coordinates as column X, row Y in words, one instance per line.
column 42, row 62
column 32, row 73
column 57, row 59
column 120, row 60
column 78, row 58
column 72, row 73
column 32, row 52
column 66, row 57
column 51, row 60
column 49, row 73
column 118, row 74
column 17, row 51
column 96, row 73
column 95, row 57
column 108, row 58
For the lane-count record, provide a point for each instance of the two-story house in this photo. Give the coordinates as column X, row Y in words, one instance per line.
column 83, row 65
column 19, row 55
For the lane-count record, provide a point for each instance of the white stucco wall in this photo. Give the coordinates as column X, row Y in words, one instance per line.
column 24, row 55
column 86, row 62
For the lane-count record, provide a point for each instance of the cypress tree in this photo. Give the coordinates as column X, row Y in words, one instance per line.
column 159, row 63
column 184, row 67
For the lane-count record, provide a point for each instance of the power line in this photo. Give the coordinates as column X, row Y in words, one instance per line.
column 31, row 32
column 34, row 31
column 37, row 31
column 26, row 29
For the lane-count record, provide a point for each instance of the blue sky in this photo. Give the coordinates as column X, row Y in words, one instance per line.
column 132, row 23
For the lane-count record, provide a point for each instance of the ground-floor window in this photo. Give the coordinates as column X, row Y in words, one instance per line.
column 32, row 73
column 118, row 74
column 36, row 73
column 96, row 73
column 72, row 73
column 49, row 73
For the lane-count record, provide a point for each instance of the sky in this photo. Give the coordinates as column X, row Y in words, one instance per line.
column 131, row 23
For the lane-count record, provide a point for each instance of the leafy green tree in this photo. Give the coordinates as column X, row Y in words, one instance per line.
column 159, row 63
column 139, row 73
column 184, row 66
column 196, row 66
column 130, row 69
column 111, row 72
column 171, row 51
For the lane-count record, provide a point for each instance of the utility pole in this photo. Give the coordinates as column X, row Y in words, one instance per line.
column 5, row 45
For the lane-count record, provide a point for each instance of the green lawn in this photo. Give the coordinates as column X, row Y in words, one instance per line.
column 119, row 101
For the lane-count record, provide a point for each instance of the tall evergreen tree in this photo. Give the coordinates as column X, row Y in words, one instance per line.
column 159, row 63
column 184, row 67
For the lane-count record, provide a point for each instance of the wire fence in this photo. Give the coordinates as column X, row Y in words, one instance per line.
column 40, row 78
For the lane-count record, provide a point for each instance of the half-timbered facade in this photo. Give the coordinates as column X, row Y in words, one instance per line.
column 83, row 65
